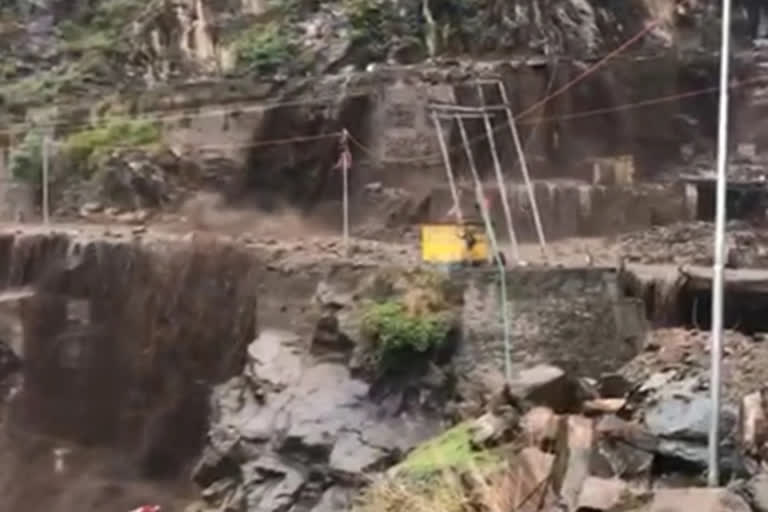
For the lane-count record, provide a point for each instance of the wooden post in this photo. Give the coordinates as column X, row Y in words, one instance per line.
column 45, row 156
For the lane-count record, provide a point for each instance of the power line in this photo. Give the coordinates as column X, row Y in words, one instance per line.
column 565, row 117
column 191, row 115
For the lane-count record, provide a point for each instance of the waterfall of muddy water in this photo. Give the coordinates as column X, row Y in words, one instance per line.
column 120, row 347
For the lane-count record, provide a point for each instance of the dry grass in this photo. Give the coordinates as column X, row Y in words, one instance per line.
column 513, row 487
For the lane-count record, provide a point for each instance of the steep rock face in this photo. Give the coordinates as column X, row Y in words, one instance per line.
column 293, row 433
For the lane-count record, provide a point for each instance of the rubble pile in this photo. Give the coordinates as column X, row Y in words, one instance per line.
column 692, row 243
column 635, row 440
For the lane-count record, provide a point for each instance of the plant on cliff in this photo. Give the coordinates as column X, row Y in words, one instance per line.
column 26, row 159
column 264, row 48
column 85, row 149
column 397, row 332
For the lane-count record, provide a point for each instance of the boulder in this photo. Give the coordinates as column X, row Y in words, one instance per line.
column 613, row 385
column 698, row 500
column 549, row 386
column 601, row 494
column 756, row 490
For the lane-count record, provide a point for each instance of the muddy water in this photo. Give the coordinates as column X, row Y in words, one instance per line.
column 42, row 473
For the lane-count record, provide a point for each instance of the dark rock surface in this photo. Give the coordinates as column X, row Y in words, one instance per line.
column 293, row 430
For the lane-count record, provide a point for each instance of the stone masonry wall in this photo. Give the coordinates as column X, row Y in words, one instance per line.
column 573, row 318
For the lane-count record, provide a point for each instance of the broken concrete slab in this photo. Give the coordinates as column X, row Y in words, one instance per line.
column 539, row 427
column 698, row 500
column 574, row 450
column 528, row 471
column 603, row 406
column 753, row 425
column 601, row 494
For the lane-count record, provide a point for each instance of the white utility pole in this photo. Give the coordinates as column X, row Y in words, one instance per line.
column 46, row 157
column 345, row 162
column 719, row 256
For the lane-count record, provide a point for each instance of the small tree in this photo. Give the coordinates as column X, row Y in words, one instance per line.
column 26, row 160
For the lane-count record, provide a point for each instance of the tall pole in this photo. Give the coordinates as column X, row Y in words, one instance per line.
column 499, row 177
column 345, row 188
column 46, row 156
column 448, row 168
column 494, row 246
column 524, row 168
column 719, row 256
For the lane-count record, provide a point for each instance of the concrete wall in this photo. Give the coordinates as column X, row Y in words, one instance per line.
column 574, row 318
column 570, row 208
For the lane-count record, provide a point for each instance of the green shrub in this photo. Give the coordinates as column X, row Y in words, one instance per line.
column 397, row 333
column 373, row 23
column 26, row 160
column 265, row 47
column 86, row 148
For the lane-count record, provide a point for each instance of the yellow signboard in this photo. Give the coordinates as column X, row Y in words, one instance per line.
column 453, row 243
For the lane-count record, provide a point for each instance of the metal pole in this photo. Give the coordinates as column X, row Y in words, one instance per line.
column 494, row 247
column 345, row 189
column 499, row 177
column 719, row 256
column 524, row 168
column 448, row 168
column 45, row 178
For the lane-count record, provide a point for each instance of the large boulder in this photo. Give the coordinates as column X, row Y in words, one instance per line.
column 698, row 499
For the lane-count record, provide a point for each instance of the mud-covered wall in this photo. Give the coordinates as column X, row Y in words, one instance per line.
column 123, row 340
column 573, row 209
column 574, row 318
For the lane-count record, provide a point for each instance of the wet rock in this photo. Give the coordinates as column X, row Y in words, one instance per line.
column 270, row 485
column 548, row 386
column 680, row 420
column 613, row 385
column 600, row 494
column 756, row 491
column 334, row 499
column 294, row 424
column 351, row 455
column 698, row 499
column 9, row 361
column 678, row 416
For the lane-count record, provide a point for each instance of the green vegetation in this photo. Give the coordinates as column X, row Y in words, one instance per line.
column 374, row 23
column 450, row 450
column 103, row 29
column 26, row 159
column 265, row 48
column 398, row 333
column 85, row 149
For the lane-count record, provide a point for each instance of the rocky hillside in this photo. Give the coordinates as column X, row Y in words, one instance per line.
column 369, row 66
column 55, row 49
